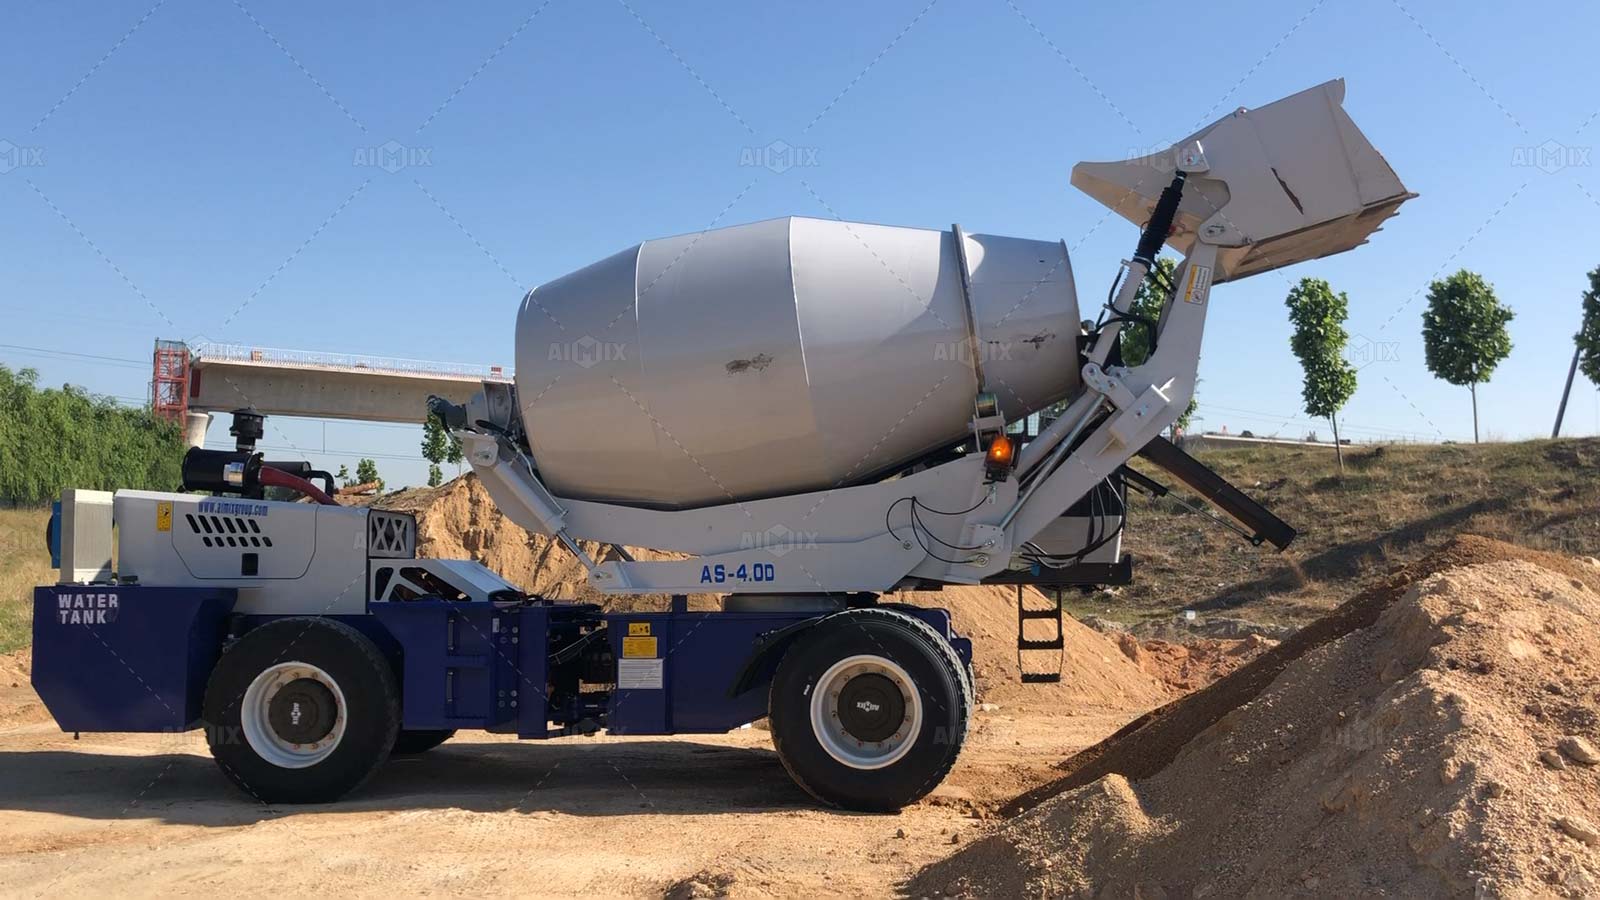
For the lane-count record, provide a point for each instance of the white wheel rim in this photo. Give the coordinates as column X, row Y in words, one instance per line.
column 255, row 709
column 830, row 730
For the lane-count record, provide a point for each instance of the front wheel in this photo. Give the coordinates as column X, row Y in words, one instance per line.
column 869, row 709
column 301, row 710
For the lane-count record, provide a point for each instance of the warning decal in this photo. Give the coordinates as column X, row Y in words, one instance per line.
column 638, row 648
column 164, row 516
column 1199, row 284
column 639, row 629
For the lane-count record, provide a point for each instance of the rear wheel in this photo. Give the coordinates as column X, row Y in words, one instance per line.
column 301, row 710
column 410, row 743
column 869, row 709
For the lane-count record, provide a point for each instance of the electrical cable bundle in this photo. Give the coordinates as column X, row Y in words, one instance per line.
column 917, row 527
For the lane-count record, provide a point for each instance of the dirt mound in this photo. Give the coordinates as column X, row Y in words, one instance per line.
column 18, row 702
column 1193, row 664
column 459, row 520
column 1148, row 743
column 1094, row 672
column 1441, row 742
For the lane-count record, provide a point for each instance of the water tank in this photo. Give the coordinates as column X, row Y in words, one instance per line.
column 784, row 356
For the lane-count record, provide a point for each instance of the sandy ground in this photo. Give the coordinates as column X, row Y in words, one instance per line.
column 150, row 814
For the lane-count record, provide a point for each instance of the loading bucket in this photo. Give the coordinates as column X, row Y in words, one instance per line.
column 1290, row 181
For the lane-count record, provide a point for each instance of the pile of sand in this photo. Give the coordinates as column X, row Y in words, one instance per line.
column 18, row 702
column 1192, row 664
column 459, row 520
column 1094, row 671
column 1436, row 735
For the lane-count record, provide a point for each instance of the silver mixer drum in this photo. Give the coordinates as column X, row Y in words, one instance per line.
column 784, row 356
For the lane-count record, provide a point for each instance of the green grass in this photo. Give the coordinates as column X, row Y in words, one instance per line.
column 24, row 563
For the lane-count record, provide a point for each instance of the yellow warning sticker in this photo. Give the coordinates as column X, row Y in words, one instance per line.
column 1199, row 284
column 164, row 516
column 639, row 648
column 639, row 629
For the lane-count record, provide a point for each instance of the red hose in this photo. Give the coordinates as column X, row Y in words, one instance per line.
column 279, row 478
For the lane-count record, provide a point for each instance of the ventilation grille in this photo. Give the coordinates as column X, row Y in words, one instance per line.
column 391, row 535
column 227, row 531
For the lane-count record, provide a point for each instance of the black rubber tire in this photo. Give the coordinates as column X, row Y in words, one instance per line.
column 410, row 743
column 936, row 673
column 362, row 674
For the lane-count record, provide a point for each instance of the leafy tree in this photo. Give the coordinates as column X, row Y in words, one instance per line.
column 52, row 439
column 1136, row 338
column 344, row 475
column 435, row 477
column 439, row 445
column 367, row 473
column 1588, row 336
column 1464, row 333
column 1318, row 315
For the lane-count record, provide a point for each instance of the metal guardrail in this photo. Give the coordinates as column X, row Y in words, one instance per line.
column 345, row 362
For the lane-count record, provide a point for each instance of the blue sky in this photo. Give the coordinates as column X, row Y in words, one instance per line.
column 191, row 170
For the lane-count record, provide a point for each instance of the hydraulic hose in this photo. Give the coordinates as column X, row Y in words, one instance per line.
column 1160, row 224
column 271, row 477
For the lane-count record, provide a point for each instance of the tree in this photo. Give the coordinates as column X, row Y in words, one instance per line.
column 1464, row 333
column 1318, row 315
column 367, row 473
column 57, row 438
column 435, row 477
column 1137, row 338
column 439, row 445
column 1588, row 336
column 344, row 475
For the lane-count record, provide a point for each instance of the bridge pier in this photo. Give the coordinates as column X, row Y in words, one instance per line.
column 194, row 428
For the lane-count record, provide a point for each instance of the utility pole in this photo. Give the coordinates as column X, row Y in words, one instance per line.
column 1561, row 411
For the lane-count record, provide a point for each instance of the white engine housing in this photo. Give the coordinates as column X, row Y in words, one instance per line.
column 285, row 558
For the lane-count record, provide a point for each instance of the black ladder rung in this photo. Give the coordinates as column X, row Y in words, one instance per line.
column 1041, row 677
column 1055, row 643
column 1039, row 614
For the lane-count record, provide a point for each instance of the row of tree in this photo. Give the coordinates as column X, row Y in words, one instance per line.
column 1464, row 339
column 52, row 439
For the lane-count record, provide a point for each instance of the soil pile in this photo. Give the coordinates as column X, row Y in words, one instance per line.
column 1435, row 735
column 459, row 520
column 18, row 702
column 1094, row 671
column 1191, row 665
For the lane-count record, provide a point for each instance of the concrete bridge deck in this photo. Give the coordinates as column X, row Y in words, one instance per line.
column 279, row 382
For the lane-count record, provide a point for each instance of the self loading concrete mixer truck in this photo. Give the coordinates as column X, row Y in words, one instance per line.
column 806, row 416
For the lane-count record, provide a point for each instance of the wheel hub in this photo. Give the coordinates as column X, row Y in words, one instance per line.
column 293, row 715
column 871, row 707
column 866, row 711
column 303, row 711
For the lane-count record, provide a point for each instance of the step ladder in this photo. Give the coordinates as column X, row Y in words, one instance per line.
column 1025, row 644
